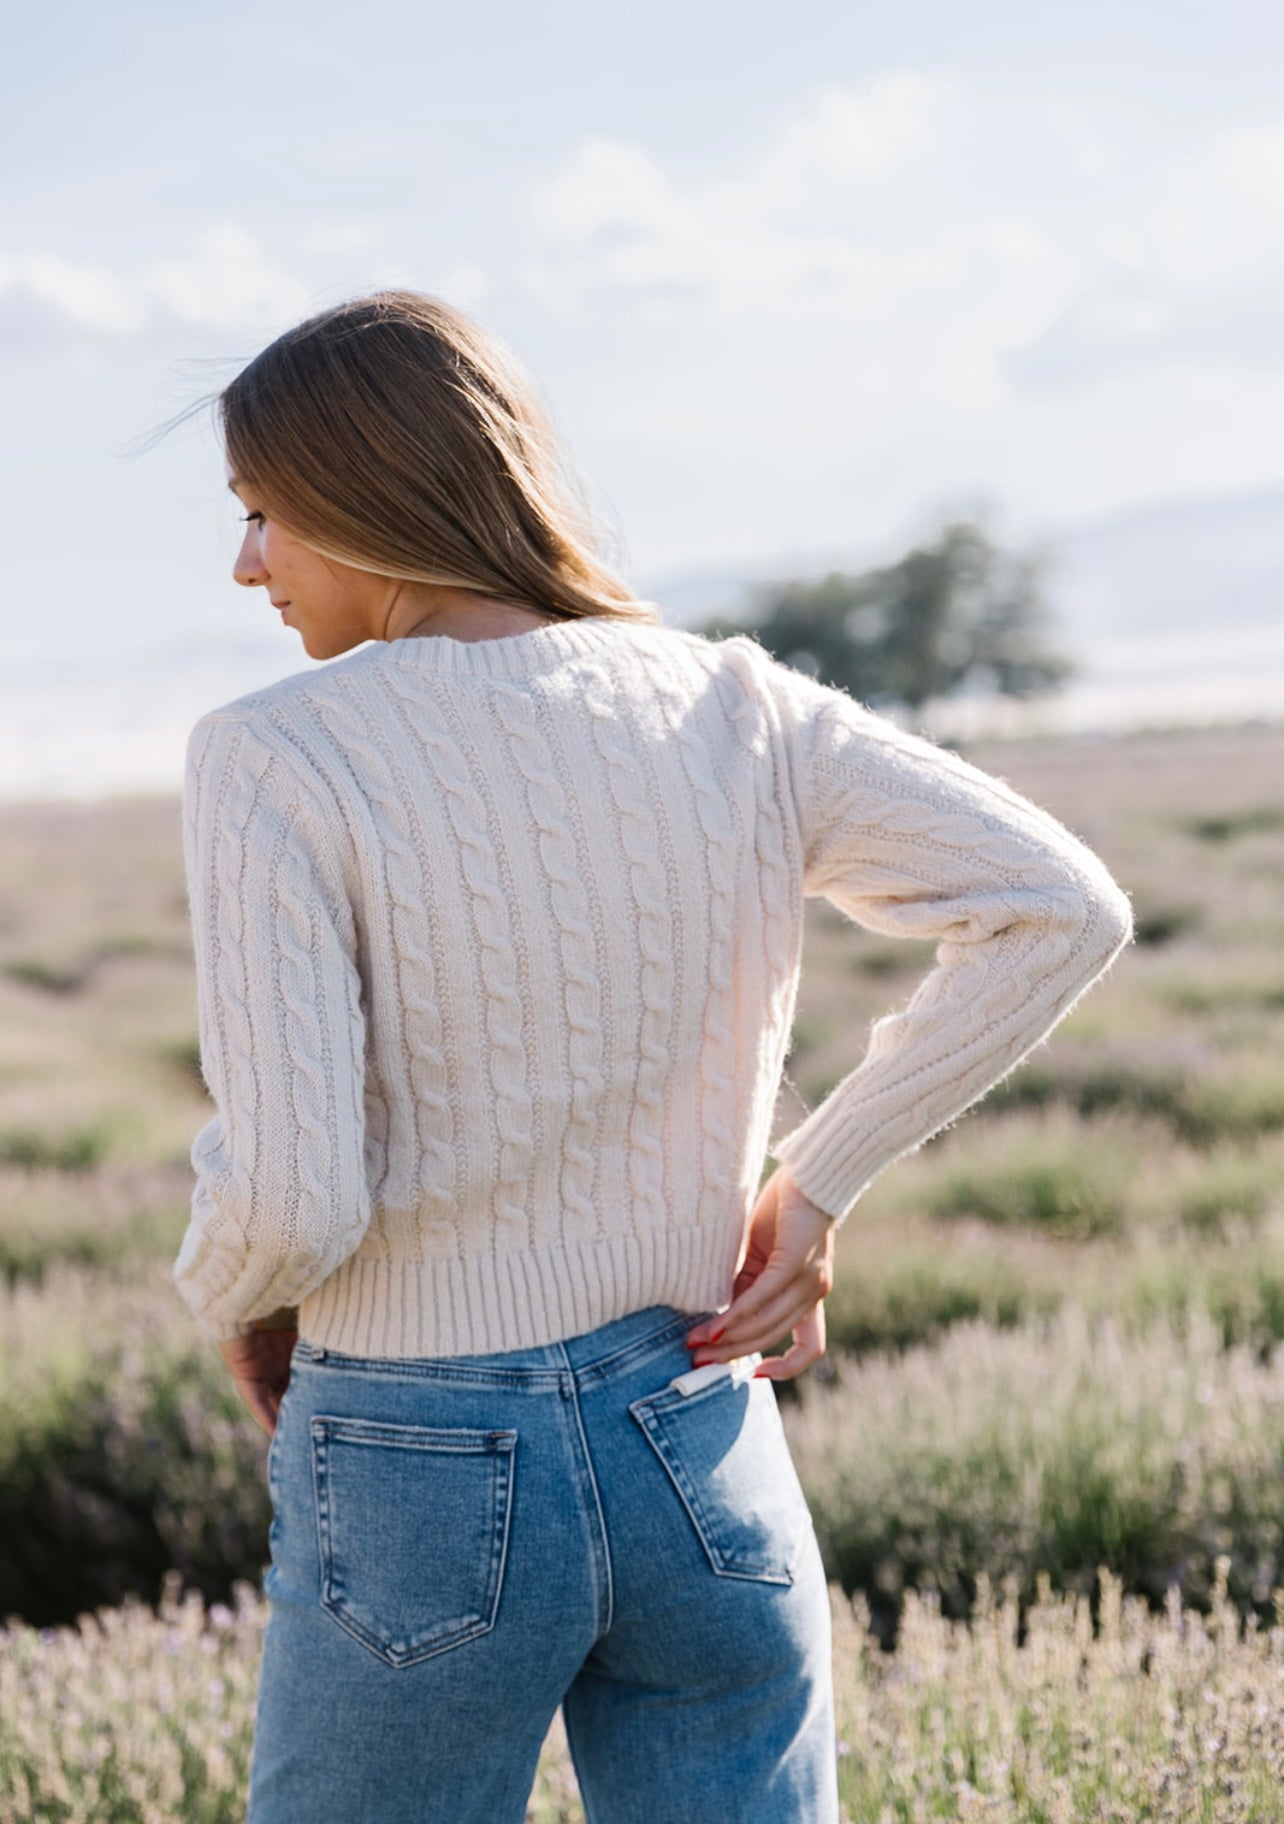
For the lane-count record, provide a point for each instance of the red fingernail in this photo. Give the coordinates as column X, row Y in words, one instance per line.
column 715, row 1336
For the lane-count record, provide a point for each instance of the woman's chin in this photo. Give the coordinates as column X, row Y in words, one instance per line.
column 319, row 645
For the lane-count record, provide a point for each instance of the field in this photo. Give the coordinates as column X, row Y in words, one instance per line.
column 1045, row 1454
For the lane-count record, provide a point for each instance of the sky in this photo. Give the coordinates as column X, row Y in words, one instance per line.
column 795, row 282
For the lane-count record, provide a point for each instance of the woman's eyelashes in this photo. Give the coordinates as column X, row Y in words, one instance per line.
column 257, row 516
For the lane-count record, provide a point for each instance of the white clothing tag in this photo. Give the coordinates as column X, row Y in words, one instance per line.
column 740, row 1368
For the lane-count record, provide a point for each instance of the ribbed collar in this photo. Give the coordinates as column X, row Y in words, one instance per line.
column 511, row 654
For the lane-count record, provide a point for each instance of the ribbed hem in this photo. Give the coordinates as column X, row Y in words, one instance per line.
column 482, row 1304
column 540, row 648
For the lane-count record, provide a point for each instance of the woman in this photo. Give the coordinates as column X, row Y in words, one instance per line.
column 498, row 923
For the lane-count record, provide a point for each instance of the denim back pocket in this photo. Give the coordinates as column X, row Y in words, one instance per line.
column 725, row 1452
column 413, row 1528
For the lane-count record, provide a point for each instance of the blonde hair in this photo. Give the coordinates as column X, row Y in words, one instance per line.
column 394, row 434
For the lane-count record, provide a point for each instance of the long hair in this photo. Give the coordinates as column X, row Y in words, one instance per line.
column 396, row 435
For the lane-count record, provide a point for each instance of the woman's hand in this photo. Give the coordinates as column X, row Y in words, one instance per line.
column 260, row 1364
column 781, row 1288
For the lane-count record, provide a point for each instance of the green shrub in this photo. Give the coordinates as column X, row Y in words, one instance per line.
column 1256, row 821
column 124, row 1448
column 806, row 1035
column 28, row 1249
column 887, row 959
column 107, row 1217
column 76, row 1149
column 1235, row 1104
column 1161, row 926
column 51, row 978
column 912, row 1297
column 1070, row 1191
column 1057, row 1447
column 186, row 1059
column 1028, row 1716
column 1231, row 1186
column 1233, row 1101
column 1239, row 1290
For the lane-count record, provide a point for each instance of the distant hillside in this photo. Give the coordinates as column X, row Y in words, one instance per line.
column 1179, row 567
column 1169, row 567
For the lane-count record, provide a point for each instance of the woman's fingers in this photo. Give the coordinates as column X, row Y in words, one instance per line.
column 781, row 1295
column 762, row 1327
column 808, row 1347
column 263, row 1398
column 787, row 1274
column 785, row 1297
column 261, row 1407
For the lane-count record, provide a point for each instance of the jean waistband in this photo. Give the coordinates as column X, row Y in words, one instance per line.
column 610, row 1349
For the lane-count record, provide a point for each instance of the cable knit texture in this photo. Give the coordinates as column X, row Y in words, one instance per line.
column 497, row 953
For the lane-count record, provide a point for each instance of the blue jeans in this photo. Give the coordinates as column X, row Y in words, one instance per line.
column 460, row 1545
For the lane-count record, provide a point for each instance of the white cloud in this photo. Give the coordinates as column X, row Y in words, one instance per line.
column 1252, row 160
column 224, row 278
column 774, row 231
column 1086, row 145
column 847, row 136
column 974, row 241
column 1127, row 320
column 857, row 232
column 85, row 295
column 1122, row 319
column 610, row 184
column 849, row 208
column 1187, row 271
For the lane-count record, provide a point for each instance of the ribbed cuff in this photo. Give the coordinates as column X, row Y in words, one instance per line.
column 820, row 1171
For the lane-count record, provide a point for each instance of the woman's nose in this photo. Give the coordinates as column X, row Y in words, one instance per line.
column 248, row 568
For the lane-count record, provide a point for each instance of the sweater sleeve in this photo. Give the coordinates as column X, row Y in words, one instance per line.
column 281, row 1196
column 911, row 841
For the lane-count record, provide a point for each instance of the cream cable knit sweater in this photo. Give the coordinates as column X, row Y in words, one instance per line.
column 497, row 951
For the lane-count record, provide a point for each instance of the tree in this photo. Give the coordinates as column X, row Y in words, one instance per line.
column 954, row 612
